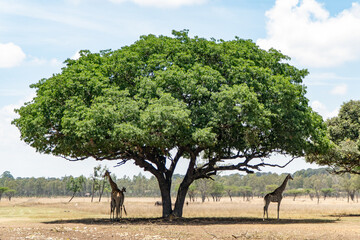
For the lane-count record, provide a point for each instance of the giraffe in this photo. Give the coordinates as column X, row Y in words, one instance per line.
column 112, row 206
column 117, row 197
column 275, row 196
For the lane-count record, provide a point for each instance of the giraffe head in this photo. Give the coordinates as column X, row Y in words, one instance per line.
column 107, row 173
column 290, row 177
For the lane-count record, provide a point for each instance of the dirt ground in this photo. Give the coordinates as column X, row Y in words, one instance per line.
column 81, row 219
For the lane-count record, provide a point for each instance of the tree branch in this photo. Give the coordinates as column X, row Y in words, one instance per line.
column 176, row 159
column 275, row 165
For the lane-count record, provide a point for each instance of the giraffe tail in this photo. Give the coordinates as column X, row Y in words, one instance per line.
column 125, row 210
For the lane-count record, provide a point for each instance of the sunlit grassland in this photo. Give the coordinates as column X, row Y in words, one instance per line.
column 42, row 209
column 45, row 218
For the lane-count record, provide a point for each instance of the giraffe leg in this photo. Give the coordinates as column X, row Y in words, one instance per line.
column 110, row 209
column 266, row 210
column 125, row 210
column 264, row 213
column 278, row 210
column 113, row 209
column 118, row 215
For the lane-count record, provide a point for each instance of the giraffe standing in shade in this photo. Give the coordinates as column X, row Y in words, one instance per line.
column 117, row 197
column 120, row 203
column 275, row 196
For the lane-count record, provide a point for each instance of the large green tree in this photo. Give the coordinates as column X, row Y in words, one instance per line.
column 344, row 133
column 211, row 105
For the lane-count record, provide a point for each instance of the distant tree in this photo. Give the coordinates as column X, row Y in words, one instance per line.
column 95, row 181
column 75, row 185
column 315, row 183
column 246, row 192
column 98, row 181
column 216, row 191
column 310, row 192
column 270, row 188
column 337, row 190
column 344, row 132
column 295, row 192
column 203, row 187
column 326, row 192
column 317, row 187
column 256, row 183
column 356, row 183
column 139, row 184
column 348, row 186
column 10, row 193
column 192, row 193
column 217, row 105
column 7, row 174
column 107, row 190
column 230, row 190
column 103, row 183
column 2, row 190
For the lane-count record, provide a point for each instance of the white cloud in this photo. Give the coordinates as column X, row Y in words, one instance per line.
column 331, row 76
column 42, row 62
column 76, row 56
column 339, row 90
column 11, row 55
column 59, row 14
column 7, row 131
column 305, row 31
column 320, row 108
column 163, row 3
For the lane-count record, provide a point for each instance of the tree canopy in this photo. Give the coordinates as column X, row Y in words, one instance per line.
column 344, row 132
column 211, row 104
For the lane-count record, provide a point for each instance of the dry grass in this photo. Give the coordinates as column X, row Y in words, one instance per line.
column 55, row 218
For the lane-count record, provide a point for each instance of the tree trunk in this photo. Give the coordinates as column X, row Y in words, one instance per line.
column 93, row 191
column 72, row 196
column 352, row 195
column 101, row 191
column 180, row 199
column 165, row 186
column 184, row 187
column 203, row 196
column 229, row 194
column 318, row 197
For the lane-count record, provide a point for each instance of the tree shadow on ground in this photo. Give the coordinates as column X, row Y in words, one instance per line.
column 344, row 215
column 189, row 221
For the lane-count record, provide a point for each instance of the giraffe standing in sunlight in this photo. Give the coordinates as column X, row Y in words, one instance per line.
column 275, row 196
column 117, row 197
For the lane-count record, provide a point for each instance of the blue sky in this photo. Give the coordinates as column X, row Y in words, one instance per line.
column 37, row 36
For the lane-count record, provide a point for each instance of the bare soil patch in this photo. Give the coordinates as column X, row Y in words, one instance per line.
column 56, row 219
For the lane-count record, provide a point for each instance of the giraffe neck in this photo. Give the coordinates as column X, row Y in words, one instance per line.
column 283, row 185
column 112, row 184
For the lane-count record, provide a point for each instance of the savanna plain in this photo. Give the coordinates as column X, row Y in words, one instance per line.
column 56, row 218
